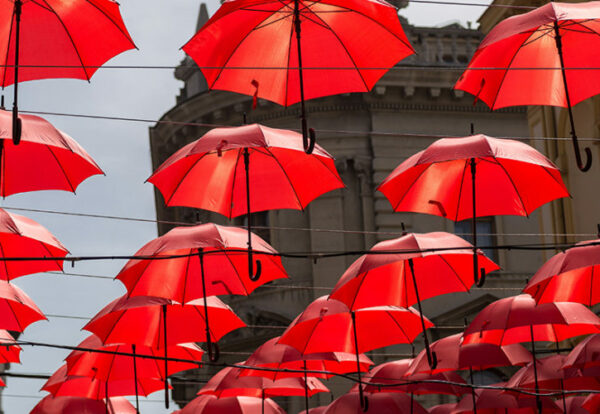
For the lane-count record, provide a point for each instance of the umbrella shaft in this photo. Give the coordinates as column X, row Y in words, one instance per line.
column 306, row 387
column 298, row 30
column 360, row 390
column 17, row 13
column 411, row 265
column 137, row 402
column 537, row 388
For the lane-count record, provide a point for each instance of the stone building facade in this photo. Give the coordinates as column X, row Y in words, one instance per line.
column 369, row 134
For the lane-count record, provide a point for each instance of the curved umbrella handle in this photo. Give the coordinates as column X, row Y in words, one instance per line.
column 432, row 359
column 213, row 351
column 17, row 126
column 309, row 137
column 588, row 156
column 254, row 276
column 364, row 403
column 480, row 281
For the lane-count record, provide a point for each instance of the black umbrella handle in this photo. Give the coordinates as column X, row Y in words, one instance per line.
column 309, row 137
column 252, row 265
column 253, row 276
column 480, row 281
column 213, row 350
column 588, row 153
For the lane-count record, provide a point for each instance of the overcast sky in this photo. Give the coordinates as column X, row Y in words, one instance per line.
column 159, row 29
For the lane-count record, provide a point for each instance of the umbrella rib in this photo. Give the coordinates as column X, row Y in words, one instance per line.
column 512, row 59
column 289, row 56
column 346, row 50
column 261, row 26
column 184, row 176
column 146, row 264
column 467, row 288
column 236, row 271
column 119, row 317
column 591, row 285
column 287, row 178
column 51, row 255
column 362, row 280
column 388, row 313
column 334, row 173
column 61, row 167
column 123, row 32
column 411, row 184
column 7, row 49
column 514, row 186
column 235, row 169
column 462, row 180
column 5, row 262
column 71, row 39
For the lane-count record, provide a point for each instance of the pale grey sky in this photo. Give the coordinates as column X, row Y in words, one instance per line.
column 159, row 28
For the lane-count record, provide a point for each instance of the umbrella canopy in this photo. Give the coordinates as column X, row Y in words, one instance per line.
column 249, row 47
column 543, row 46
column 23, row 237
column 316, row 410
column 574, row 405
column 381, row 403
column 592, row 403
column 61, row 39
column 569, row 276
column 327, row 325
column 60, row 385
column 452, row 355
column 106, row 366
column 226, row 271
column 517, row 319
column 17, row 310
column 209, row 404
column 551, row 376
column 229, row 383
column 527, row 42
column 46, row 158
column 281, row 356
column 139, row 320
column 386, row 279
column 586, row 354
column 78, row 405
column 492, row 401
column 211, row 173
column 443, row 409
column 512, row 178
column 397, row 372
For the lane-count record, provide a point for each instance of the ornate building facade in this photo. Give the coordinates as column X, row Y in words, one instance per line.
column 369, row 134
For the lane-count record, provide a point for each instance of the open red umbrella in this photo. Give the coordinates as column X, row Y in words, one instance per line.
column 79, row 405
column 519, row 319
column 291, row 50
column 210, row 254
column 61, row 385
column 46, row 158
column 213, row 173
column 329, row 325
column 9, row 351
column 476, row 176
column 17, row 310
column 108, row 367
column 209, row 404
column 585, row 354
column 229, row 383
column 406, row 270
column 57, row 39
column 397, row 377
column 23, row 237
column 569, row 276
column 380, row 402
column 281, row 357
column 536, row 58
column 140, row 320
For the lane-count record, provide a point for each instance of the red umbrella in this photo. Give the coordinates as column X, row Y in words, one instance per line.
column 17, row 310
column 280, row 357
column 23, row 237
column 46, row 159
column 315, row 410
column 518, row 319
column 213, row 173
column 569, row 276
column 260, row 48
column 443, row 409
column 476, row 176
column 380, row 402
column 575, row 405
column 57, row 39
column 78, row 405
column 209, row 404
column 529, row 49
column 61, row 385
column 329, row 325
column 229, row 383
column 391, row 279
column 585, row 355
column 108, row 367
column 496, row 401
column 222, row 270
column 398, row 378
column 139, row 320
